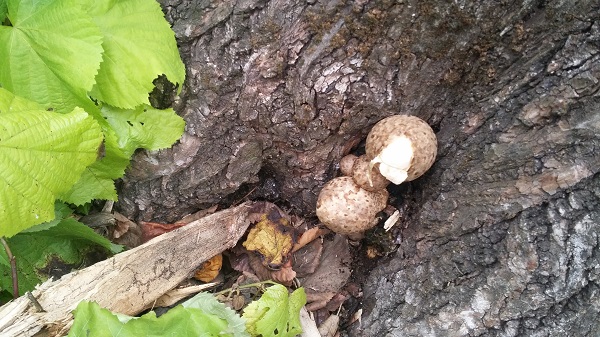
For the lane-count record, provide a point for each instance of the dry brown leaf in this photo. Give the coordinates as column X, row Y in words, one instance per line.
column 262, row 272
column 308, row 236
column 285, row 275
column 153, row 229
column 317, row 300
column 336, row 301
column 272, row 237
column 209, row 269
column 126, row 232
column 307, row 259
column 237, row 302
column 198, row 215
column 122, row 225
column 333, row 271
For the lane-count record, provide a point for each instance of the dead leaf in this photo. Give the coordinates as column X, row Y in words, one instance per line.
column 122, row 225
column 307, row 259
column 237, row 302
column 317, row 300
column 331, row 275
column 330, row 326
column 308, row 236
column 308, row 324
column 198, row 215
column 285, row 275
column 337, row 300
column 272, row 237
column 209, row 269
column 256, row 263
column 151, row 230
column 126, row 232
column 333, row 271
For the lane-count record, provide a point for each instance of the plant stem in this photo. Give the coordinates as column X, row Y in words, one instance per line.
column 13, row 267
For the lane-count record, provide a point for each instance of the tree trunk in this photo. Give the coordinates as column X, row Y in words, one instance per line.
column 499, row 238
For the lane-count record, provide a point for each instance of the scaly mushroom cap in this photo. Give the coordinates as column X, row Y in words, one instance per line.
column 347, row 209
column 360, row 174
column 397, row 136
column 346, row 164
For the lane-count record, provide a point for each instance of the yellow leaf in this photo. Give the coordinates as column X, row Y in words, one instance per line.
column 273, row 239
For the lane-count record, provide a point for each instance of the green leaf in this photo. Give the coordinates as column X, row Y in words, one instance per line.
column 42, row 154
column 3, row 11
column 63, row 246
column 97, row 180
column 139, row 45
column 61, row 211
column 125, row 131
column 236, row 326
column 51, row 54
column 144, row 127
column 276, row 313
column 93, row 321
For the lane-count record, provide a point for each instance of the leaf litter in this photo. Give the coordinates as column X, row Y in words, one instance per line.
column 277, row 247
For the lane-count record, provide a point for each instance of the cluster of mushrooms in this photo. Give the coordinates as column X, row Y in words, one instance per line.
column 398, row 148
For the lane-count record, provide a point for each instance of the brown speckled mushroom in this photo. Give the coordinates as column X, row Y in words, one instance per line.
column 402, row 147
column 346, row 208
column 346, row 164
column 368, row 176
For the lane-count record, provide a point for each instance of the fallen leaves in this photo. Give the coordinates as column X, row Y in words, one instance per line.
column 277, row 247
column 209, row 269
column 273, row 238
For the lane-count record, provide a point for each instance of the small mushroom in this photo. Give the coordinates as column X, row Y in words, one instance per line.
column 346, row 164
column 367, row 176
column 403, row 148
column 346, row 208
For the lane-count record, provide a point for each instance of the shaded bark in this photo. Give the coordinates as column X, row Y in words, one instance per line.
column 500, row 237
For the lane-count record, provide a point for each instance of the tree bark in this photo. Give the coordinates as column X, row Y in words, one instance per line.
column 499, row 238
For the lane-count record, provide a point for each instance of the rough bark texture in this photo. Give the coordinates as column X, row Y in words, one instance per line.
column 500, row 237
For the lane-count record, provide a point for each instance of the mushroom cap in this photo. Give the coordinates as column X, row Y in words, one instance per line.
column 420, row 134
column 361, row 178
column 345, row 208
column 346, row 164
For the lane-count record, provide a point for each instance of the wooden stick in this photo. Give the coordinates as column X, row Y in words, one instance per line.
column 13, row 267
column 132, row 280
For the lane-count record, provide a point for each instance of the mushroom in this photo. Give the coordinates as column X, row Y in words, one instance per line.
column 367, row 176
column 398, row 148
column 401, row 147
column 346, row 208
column 346, row 164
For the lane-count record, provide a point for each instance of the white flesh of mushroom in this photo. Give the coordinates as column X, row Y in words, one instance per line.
column 394, row 160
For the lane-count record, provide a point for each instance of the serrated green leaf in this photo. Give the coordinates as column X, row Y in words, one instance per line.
column 275, row 314
column 236, row 326
column 139, row 45
column 97, row 180
column 51, row 53
column 144, row 127
column 64, row 245
column 61, row 211
column 42, row 154
column 93, row 321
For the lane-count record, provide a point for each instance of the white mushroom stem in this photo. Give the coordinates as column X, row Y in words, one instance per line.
column 394, row 160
